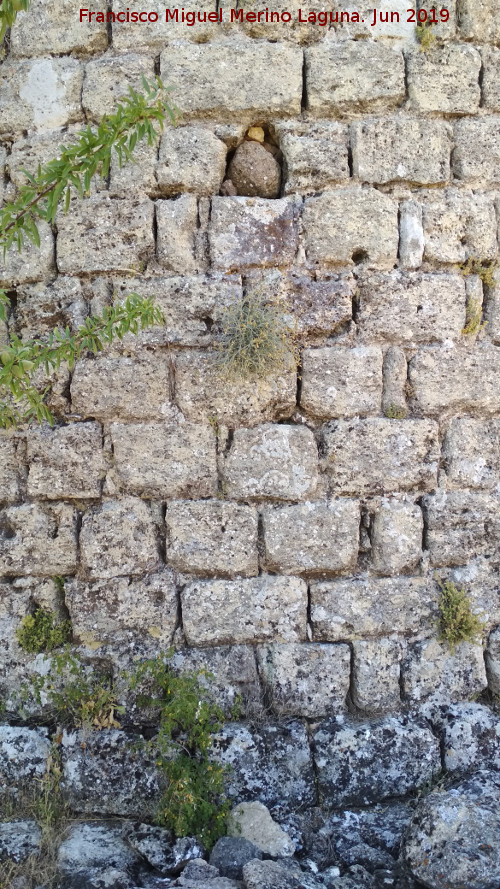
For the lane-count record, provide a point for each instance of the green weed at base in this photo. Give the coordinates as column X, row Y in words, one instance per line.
column 194, row 803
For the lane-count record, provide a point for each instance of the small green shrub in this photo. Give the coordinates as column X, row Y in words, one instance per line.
column 457, row 622
column 393, row 412
column 41, row 631
column 75, row 696
column 194, row 802
column 484, row 270
column 425, row 36
column 256, row 337
column 473, row 318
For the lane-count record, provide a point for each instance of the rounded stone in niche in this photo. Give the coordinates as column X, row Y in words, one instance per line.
column 254, row 171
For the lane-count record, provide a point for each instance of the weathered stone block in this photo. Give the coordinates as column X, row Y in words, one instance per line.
column 135, row 176
column 370, row 606
column 492, row 659
column 411, row 235
column 24, row 753
column 397, row 537
column 33, row 264
column 376, row 670
column 66, row 461
column 155, row 35
column 352, row 225
column 115, row 610
column 471, row 450
column 107, row 80
column 456, row 380
column 46, row 30
column 480, row 579
column 432, row 671
column 18, row 597
column 401, row 149
column 395, row 372
column 177, row 222
column 381, row 455
column 39, row 149
column 181, row 460
column 105, row 772
column 95, row 848
column 444, row 79
column 353, row 76
column 258, row 609
column 391, row 22
column 339, row 382
column 203, row 394
column 315, row 155
column 312, row 538
column 232, row 77
column 272, row 462
column 247, row 232
column 127, row 388
column 458, row 225
column 479, row 23
column 477, row 149
column 39, row 94
column 38, row 540
column 272, row 764
column 462, row 525
column 191, row 158
column 321, row 306
column 308, row 680
column 454, row 832
column 105, row 235
column 10, row 470
column 491, row 78
column 281, row 874
column 19, row 840
column 212, row 538
column 470, row 734
column 442, row 30
column 118, row 538
column 192, row 305
column 41, row 307
column 355, row 763
column 234, row 674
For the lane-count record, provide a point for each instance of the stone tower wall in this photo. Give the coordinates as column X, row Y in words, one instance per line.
column 286, row 533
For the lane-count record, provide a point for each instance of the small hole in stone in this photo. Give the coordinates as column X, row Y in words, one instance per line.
column 359, row 256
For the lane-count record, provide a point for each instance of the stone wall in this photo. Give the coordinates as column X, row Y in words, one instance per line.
column 285, row 532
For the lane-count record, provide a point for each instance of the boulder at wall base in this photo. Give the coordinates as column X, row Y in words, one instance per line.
column 453, row 838
column 271, row 763
column 364, row 763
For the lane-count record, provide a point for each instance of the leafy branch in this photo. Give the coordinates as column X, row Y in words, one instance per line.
column 77, row 164
column 8, row 14
column 20, row 361
column 134, row 119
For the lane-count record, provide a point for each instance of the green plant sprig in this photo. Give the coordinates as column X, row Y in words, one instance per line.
column 194, row 802
column 77, row 164
column 457, row 621
column 20, row 360
column 8, row 14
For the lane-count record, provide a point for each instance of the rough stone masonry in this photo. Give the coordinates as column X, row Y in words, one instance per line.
column 285, row 533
